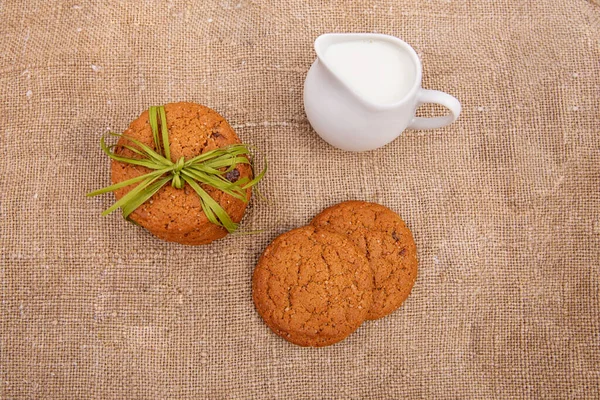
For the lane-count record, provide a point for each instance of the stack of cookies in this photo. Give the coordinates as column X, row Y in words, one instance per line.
column 174, row 214
column 315, row 285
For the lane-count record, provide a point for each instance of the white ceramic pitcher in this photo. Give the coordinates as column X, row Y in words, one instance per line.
column 349, row 121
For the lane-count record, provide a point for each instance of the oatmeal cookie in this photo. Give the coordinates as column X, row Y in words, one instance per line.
column 387, row 243
column 312, row 287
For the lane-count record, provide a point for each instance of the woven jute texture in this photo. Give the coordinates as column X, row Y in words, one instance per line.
column 504, row 204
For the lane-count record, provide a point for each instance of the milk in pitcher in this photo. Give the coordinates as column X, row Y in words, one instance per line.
column 375, row 70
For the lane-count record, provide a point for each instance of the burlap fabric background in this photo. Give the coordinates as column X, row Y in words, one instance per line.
column 504, row 204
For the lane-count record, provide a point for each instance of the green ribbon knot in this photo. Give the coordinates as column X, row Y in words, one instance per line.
column 178, row 182
column 207, row 168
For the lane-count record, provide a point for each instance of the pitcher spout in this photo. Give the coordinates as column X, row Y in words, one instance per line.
column 322, row 44
column 324, row 41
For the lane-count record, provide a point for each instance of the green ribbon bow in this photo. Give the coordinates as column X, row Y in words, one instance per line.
column 208, row 168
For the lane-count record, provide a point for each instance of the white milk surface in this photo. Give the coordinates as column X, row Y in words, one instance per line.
column 376, row 70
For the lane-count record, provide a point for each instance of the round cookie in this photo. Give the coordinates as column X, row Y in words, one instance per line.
column 387, row 243
column 312, row 287
column 172, row 214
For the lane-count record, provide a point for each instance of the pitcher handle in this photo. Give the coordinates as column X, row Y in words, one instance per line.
column 436, row 97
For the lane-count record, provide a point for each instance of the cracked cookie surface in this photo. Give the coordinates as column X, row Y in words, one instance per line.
column 172, row 214
column 312, row 287
column 386, row 242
